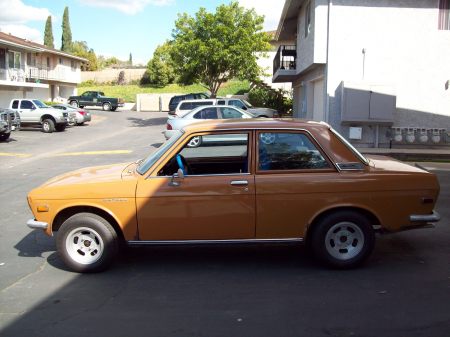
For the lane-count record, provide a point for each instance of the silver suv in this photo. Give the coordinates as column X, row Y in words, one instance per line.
column 9, row 121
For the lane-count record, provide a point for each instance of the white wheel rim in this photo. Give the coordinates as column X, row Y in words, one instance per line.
column 46, row 126
column 267, row 138
column 344, row 240
column 84, row 245
column 106, row 107
column 194, row 142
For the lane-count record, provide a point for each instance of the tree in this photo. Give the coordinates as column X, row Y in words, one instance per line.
column 130, row 60
column 81, row 49
column 48, row 33
column 66, row 40
column 212, row 48
column 160, row 69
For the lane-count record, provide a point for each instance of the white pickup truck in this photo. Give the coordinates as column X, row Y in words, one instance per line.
column 35, row 112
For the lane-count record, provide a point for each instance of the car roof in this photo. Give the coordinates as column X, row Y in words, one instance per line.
column 255, row 123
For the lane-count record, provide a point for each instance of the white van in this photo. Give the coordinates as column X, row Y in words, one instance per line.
column 185, row 106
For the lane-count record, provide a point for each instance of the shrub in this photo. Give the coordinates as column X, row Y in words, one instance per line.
column 280, row 100
column 121, row 78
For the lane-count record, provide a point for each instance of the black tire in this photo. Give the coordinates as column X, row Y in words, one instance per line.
column 48, row 125
column 4, row 136
column 114, row 109
column 106, row 106
column 97, row 250
column 74, row 104
column 344, row 239
column 60, row 127
column 80, row 124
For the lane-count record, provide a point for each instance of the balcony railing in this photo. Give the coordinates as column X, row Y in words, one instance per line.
column 285, row 58
column 38, row 73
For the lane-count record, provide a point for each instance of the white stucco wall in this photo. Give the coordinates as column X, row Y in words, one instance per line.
column 404, row 50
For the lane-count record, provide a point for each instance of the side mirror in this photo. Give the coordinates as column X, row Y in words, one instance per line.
column 244, row 108
column 33, row 107
column 178, row 175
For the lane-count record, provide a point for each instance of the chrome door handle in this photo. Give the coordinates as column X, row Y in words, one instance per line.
column 239, row 182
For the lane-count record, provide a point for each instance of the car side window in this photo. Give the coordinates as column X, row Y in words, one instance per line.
column 15, row 104
column 230, row 113
column 288, row 151
column 208, row 113
column 221, row 102
column 86, row 94
column 26, row 105
column 236, row 103
column 211, row 154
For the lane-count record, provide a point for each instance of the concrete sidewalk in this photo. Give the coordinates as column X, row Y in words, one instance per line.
column 440, row 154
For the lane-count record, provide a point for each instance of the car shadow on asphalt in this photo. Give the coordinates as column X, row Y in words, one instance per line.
column 141, row 122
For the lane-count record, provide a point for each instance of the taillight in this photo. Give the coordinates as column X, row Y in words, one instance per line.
column 82, row 112
column 169, row 127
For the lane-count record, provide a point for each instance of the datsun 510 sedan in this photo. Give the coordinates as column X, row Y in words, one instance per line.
column 250, row 181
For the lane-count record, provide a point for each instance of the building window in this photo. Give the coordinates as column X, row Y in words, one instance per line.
column 48, row 62
column 307, row 19
column 444, row 14
column 14, row 59
column 60, row 60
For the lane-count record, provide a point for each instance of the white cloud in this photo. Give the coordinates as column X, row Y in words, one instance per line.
column 16, row 12
column 22, row 31
column 129, row 7
column 271, row 9
column 14, row 15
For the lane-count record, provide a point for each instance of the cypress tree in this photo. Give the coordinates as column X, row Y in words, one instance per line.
column 48, row 33
column 66, row 41
column 130, row 60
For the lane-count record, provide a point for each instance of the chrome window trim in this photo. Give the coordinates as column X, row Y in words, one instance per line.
column 205, row 175
column 350, row 169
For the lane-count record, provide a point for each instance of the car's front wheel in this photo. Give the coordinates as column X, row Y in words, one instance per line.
column 48, row 125
column 4, row 136
column 87, row 243
column 343, row 239
column 74, row 104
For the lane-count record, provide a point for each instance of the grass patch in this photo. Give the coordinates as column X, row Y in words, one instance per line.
column 128, row 92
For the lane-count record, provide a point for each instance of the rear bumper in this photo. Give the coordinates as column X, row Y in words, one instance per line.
column 34, row 224
column 434, row 217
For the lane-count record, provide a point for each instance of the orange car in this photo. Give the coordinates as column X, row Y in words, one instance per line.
column 243, row 182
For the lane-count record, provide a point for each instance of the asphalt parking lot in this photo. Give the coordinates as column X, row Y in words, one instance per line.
column 403, row 290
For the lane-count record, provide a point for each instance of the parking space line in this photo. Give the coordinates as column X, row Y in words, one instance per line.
column 90, row 153
column 12, row 154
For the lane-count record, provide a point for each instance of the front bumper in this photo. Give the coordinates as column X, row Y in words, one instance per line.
column 434, row 217
column 34, row 224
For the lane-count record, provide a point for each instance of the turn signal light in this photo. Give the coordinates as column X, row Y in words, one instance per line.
column 42, row 209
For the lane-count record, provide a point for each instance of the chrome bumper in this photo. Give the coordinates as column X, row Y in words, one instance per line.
column 37, row 224
column 434, row 217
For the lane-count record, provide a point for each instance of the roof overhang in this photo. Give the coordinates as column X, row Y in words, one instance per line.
column 287, row 27
column 20, row 46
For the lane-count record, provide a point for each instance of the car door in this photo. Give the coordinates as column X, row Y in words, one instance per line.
column 86, row 98
column 214, row 201
column 27, row 111
column 294, row 180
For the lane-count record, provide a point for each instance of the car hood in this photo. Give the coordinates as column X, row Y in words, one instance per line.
column 112, row 181
column 96, row 174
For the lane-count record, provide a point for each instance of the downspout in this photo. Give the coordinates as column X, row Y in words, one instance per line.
column 327, row 96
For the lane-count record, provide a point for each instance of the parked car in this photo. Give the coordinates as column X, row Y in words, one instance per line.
column 185, row 106
column 81, row 116
column 96, row 98
column 35, row 112
column 9, row 121
column 202, row 113
column 178, row 98
column 291, row 181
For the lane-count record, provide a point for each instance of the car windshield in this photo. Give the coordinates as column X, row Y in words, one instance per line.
column 40, row 104
column 247, row 104
column 351, row 147
column 148, row 162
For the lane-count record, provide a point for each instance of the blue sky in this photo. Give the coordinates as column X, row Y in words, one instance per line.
column 115, row 27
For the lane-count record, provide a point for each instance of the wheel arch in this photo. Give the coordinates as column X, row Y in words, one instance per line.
column 375, row 221
column 47, row 116
column 66, row 213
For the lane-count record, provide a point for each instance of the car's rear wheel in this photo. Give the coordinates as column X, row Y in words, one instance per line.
column 87, row 243
column 48, row 125
column 106, row 106
column 343, row 239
